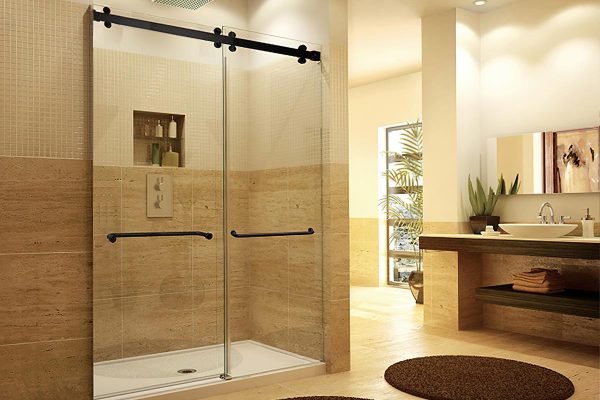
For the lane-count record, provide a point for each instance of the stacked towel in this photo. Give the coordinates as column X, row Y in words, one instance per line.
column 539, row 280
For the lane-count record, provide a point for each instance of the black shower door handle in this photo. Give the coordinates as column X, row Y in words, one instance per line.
column 309, row 231
column 112, row 237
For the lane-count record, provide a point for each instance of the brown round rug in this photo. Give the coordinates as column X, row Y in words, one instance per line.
column 470, row 377
column 325, row 398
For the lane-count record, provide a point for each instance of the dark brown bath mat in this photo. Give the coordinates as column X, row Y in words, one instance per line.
column 485, row 378
column 325, row 398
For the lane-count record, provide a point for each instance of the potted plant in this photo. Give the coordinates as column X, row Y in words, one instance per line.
column 483, row 205
column 405, row 211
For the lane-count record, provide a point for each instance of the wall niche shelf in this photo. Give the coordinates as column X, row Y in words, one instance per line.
column 144, row 128
column 573, row 302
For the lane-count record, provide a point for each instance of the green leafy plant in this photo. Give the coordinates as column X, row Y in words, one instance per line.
column 405, row 210
column 483, row 204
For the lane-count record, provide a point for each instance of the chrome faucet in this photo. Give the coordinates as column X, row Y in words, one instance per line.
column 542, row 217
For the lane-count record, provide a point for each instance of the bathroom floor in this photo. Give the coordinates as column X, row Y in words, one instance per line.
column 386, row 327
column 247, row 358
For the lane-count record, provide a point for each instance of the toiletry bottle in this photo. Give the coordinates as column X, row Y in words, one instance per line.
column 170, row 158
column 172, row 128
column 159, row 130
column 147, row 128
column 587, row 223
column 155, row 155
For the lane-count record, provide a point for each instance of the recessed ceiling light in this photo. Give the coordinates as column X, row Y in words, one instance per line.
column 480, row 2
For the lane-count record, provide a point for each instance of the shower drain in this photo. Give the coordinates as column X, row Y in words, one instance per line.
column 187, row 371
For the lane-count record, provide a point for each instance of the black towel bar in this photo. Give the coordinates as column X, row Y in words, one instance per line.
column 112, row 237
column 309, row 231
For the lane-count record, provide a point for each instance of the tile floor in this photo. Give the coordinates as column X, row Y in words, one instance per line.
column 387, row 327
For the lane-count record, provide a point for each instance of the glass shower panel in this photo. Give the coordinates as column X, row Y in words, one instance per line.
column 273, row 169
column 158, row 301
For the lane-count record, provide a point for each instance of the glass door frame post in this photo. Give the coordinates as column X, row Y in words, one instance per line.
column 226, row 333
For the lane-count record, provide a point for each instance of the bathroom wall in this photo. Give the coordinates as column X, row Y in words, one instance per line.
column 548, row 82
column 525, row 54
column 371, row 107
column 524, row 86
column 46, row 201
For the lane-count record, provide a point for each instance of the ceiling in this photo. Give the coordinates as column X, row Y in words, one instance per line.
column 384, row 37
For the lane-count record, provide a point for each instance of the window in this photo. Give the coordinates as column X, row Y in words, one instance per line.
column 403, row 201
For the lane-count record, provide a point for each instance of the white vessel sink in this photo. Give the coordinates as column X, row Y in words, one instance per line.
column 538, row 230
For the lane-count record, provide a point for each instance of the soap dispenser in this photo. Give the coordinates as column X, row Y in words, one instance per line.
column 587, row 223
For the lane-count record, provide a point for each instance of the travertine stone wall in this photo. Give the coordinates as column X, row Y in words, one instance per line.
column 364, row 252
column 45, row 201
column 157, row 294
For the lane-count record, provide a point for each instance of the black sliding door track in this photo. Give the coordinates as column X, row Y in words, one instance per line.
column 301, row 53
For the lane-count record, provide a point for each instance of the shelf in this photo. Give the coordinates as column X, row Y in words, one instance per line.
column 572, row 302
column 142, row 144
column 505, row 244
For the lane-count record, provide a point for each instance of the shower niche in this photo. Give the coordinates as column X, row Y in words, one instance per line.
column 154, row 128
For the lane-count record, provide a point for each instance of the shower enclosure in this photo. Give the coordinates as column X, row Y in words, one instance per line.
column 209, row 269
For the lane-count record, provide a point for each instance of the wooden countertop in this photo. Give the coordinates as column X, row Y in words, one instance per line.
column 563, row 247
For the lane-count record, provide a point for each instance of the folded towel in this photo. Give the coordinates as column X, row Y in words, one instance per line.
column 539, row 281
column 546, row 284
column 536, row 290
column 537, row 273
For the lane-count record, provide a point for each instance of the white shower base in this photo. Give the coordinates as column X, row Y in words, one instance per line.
column 146, row 376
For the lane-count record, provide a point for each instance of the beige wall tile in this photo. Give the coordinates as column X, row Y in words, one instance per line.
column 337, row 335
column 60, row 370
column 364, row 251
column 336, row 262
column 157, row 323
column 107, row 199
column 207, row 313
column 269, row 317
column 305, row 326
column 156, row 265
column 49, row 205
column 45, row 297
column 46, row 112
column 268, row 262
column 107, row 273
column 108, row 328
column 305, row 262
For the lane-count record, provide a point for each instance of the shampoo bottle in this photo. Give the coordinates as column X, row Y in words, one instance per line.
column 172, row 128
column 587, row 223
column 159, row 130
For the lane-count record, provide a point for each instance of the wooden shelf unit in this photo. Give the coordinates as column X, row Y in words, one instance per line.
column 573, row 302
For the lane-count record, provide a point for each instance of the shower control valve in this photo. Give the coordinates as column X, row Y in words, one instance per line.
column 159, row 199
column 159, row 183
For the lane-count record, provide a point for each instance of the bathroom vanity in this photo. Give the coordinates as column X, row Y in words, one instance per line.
column 467, row 285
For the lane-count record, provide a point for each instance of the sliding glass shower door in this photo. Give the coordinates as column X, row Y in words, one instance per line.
column 207, row 205
column 273, row 167
column 158, row 140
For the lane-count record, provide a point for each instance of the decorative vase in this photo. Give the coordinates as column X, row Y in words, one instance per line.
column 479, row 222
column 415, row 283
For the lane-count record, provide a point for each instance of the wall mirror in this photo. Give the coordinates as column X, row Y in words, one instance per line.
column 548, row 162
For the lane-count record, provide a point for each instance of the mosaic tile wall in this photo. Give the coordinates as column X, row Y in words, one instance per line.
column 45, row 82
column 124, row 82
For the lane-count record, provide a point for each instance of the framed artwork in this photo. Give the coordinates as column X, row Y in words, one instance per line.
column 572, row 161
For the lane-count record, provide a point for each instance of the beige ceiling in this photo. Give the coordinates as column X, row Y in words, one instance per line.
column 384, row 36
